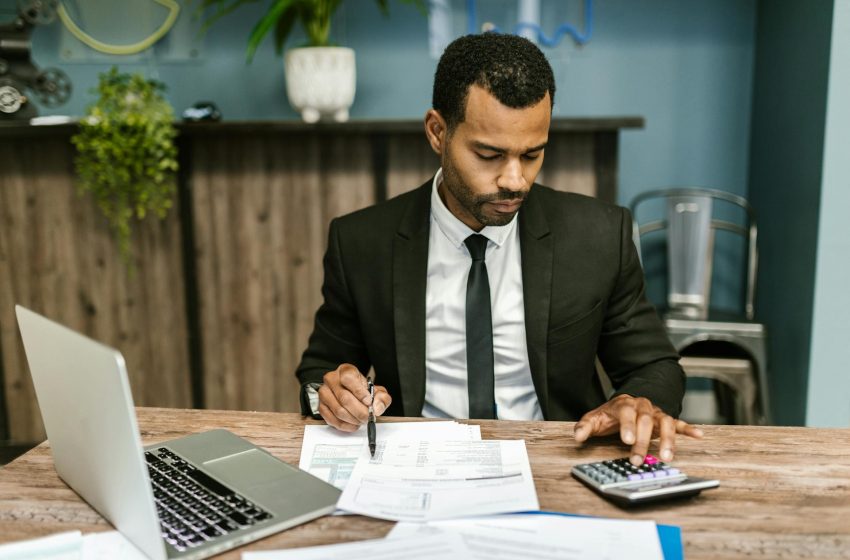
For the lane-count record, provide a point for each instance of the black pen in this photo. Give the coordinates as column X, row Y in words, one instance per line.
column 370, row 425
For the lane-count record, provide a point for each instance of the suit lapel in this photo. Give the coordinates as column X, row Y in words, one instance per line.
column 536, row 247
column 410, row 269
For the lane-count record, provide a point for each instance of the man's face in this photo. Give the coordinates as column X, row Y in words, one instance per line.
column 491, row 159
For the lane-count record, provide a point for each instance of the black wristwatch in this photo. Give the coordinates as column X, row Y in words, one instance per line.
column 310, row 400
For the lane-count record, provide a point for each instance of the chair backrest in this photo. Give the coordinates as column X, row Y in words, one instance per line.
column 691, row 227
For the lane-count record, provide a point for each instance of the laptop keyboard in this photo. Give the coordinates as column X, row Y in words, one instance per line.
column 193, row 507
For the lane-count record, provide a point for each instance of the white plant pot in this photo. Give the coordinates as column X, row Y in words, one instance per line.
column 320, row 82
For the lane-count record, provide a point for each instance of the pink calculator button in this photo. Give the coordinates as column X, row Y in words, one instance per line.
column 650, row 460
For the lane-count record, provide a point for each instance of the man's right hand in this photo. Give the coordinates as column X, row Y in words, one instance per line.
column 344, row 398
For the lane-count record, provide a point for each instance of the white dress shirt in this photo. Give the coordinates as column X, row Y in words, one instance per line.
column 445, row 318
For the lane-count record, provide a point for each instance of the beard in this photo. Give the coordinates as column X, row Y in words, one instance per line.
column 475, row 203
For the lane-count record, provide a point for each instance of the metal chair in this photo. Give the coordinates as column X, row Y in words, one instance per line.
column 691, row 224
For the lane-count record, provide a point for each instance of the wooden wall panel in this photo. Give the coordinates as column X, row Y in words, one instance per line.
column 262, row 207
column 410, row 162
column 58, row 258
column 258, row 200
column 569, row 163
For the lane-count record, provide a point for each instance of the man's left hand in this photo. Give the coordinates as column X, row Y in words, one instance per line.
column 638, row 421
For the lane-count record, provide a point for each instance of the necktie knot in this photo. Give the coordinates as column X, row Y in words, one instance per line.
column 477, row 245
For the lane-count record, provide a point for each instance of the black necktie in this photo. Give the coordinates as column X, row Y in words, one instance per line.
column 479, row 333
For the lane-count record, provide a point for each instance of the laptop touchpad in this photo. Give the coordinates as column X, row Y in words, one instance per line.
column 251, row 469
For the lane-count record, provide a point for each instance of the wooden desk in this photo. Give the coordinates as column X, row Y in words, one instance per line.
column 785, row 492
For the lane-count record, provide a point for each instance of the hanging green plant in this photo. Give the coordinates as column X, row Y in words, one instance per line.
column 126, row 156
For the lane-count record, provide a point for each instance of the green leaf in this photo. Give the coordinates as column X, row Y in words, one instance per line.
column 314, row 15
column 283, row 28
column 265, row 24
column 126, row 157
column 221, row 9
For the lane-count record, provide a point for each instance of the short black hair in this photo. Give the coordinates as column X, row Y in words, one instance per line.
column 509, row 67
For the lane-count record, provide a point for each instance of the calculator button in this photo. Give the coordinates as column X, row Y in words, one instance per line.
column 650, row 460
column 673, row 472
column 635, row 477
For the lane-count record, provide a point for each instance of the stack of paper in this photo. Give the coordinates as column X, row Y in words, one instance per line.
column 443, row 477
column 421, row 471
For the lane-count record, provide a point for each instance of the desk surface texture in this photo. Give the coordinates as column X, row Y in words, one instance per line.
column 784, row 492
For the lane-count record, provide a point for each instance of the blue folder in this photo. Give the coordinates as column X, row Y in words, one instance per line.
column 669, row 535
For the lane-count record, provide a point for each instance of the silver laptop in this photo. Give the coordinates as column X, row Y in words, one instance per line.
column 190, row 497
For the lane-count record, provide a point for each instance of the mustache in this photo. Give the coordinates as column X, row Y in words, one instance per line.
column 503, row 195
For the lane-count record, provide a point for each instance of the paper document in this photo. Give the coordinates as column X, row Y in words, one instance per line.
column 545, row 537
column 110, row 545
column 72, row 545
column 418, row 547
column 329, row 454
column 426, row 480
column 61, row 546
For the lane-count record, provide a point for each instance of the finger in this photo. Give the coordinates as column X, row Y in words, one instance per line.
column 627, row 415
column 355, row 382
column 667, row 442
column 591, row 424
column 684, row 428
column 332, row 420
column 584, row 428
column 351, row 409
column 336, row 399
column 350, row 393
column 601, row 421
column 645, row 425
column 383, row 400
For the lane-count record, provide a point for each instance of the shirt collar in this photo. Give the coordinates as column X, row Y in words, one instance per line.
column 457, row 231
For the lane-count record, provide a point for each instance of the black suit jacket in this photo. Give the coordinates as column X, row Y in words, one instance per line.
column 584, row 297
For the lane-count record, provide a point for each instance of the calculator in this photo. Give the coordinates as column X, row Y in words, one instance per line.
column 626, row 485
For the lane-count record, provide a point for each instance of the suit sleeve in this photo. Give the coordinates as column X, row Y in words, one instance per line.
column 336, row 337
column 634, row 348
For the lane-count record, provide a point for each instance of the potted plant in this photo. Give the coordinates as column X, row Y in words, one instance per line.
column 320, row 77
column 126, row 156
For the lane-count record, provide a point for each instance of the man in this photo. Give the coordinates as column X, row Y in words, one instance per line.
column 481, row 294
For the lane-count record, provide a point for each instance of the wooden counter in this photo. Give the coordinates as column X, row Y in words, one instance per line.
column 222, row 299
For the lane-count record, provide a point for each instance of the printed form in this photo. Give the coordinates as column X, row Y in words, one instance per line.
column 426, row 480
column 545, row 537
column 329, row 454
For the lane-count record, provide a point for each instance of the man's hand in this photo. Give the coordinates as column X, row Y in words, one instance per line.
column 638, row 422
column 344, row 398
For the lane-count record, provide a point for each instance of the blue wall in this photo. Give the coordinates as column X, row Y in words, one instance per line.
column 829, row 382
column 686, row 66
column 792, row 71
column 733, row 92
